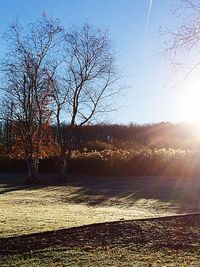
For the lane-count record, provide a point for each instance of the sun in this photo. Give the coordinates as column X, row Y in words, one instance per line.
column 189, row 110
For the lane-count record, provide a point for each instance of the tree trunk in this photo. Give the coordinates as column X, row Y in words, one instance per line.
column 32, row 166
column 65, row 160
column 63, row 167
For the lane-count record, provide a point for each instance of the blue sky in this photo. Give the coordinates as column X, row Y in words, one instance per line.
column 149, row 97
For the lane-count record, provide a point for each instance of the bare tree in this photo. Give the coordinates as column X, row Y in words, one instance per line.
column 28, row 90
column 88, row 83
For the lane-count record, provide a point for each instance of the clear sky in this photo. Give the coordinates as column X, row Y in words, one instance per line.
column 150, row 96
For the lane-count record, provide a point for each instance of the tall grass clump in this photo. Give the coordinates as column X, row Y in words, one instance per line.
column 127, row 161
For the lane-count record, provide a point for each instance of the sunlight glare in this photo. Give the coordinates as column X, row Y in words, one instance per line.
column 190, row 102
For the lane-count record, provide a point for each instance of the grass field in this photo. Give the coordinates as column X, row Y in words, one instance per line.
column 173, row 241
column 83, row 201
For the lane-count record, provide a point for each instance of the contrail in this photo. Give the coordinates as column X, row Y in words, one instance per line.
column 149, row 14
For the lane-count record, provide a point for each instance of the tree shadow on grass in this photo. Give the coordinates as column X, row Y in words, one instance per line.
column 184, row 193
column 12, row 188
column 179, row 192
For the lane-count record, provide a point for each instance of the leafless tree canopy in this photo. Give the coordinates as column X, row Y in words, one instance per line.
column 90, row 73
column 187, row 35
column 183, row 42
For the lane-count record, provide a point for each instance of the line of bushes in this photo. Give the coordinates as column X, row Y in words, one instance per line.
column 121, row 162
column 187, row 164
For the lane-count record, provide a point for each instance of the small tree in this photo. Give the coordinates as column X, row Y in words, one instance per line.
column 87, row 85
column 28, row 89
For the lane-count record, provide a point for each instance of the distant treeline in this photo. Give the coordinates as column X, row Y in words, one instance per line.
column 158, row 135
column 161, row 135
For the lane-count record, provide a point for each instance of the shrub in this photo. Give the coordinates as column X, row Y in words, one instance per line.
column 95, row 146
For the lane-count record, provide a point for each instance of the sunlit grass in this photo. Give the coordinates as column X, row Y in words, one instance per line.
column 37, row 208
column 134, row 255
